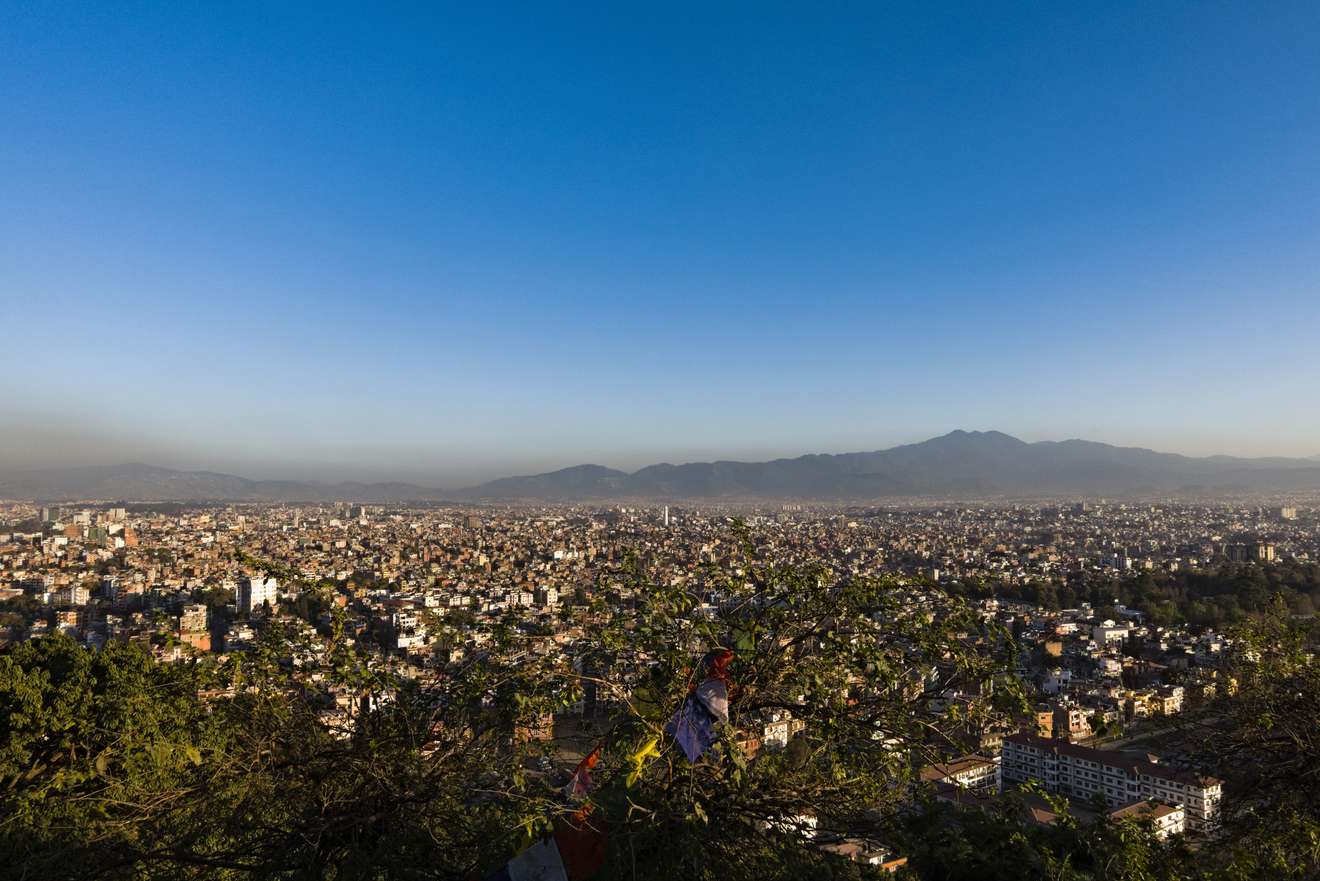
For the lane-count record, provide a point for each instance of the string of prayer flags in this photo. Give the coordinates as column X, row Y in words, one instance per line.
column 693, row 724
column 648, row 751
column 576, row 851
column 540, row 862
column 580, row 784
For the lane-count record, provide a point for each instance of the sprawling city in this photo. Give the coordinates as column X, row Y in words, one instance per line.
column 1116, row 624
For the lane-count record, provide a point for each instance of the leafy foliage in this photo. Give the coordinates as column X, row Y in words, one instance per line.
column 1262, row 737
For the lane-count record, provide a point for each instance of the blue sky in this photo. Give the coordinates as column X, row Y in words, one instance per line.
column 443, row 243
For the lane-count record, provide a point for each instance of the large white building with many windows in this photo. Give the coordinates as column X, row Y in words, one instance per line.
column 1082, row 772
column 255, row 592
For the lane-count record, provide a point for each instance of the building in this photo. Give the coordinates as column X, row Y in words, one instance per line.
column 863, row 850
column 70, row 621
column 193, row 618
column 1250, row 552
column 1044, row 716
column 254, row 593
column 1168, row 699
column 194, row 629
column 1110, row 631
column 1167, row 819
column 1071, row 722
column 973, row 773
column 779, row 729
column 407, row 629
column 1057, row 681
column 74, row 594
column 1082, row 772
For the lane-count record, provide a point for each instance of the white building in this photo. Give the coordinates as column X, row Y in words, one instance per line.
column 1057, row 680
column 973, row 773
column 779, row 729
column 1081, row 772
column 408, row 630
column 253, row 593
column 1167, row 819
column 1108, row 631
column 74, row 594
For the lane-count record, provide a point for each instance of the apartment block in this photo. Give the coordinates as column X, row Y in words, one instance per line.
column 1082, row 772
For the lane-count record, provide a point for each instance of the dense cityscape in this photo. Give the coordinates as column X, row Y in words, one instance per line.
column 1121, row 614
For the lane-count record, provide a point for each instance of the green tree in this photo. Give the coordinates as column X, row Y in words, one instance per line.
column 858, row 662
column 1262, row 737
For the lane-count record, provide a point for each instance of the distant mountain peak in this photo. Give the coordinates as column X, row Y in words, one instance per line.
column 974, row 436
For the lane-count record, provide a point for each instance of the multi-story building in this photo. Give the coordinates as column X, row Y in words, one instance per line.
column 193, row 618
column 1169, row 699
column 1251, row 552
column 1167, row 819
column 1083, row 772
column 1044, row 715
column 73, row 595
column 1110, row 631
column 1071, row 722
column 973, row 773
column 194, row 629
column 779, row 729
column 70, row 621
column 407, row 628
column 1057, row 681
column 255, row 592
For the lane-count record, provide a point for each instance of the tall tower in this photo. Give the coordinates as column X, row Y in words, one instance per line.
column 666, row 516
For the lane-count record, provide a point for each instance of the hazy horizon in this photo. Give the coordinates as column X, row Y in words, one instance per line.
column 454, row 476
column 459, row 243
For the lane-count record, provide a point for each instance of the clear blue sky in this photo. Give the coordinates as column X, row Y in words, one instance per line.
column 448, row 242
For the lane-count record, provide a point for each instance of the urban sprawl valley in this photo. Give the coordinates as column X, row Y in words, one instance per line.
column 1120, row 615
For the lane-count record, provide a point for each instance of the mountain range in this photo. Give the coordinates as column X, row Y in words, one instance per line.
column 966, row 464
column 135, row 482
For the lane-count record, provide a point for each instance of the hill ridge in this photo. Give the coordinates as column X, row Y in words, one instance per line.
column 959, row 463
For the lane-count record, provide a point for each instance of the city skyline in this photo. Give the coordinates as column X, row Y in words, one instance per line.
column 464, row 244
